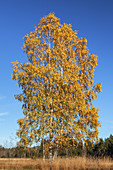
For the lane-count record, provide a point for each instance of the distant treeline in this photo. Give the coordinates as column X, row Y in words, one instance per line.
column 104, row 148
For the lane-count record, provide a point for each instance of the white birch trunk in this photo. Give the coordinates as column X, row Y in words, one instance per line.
column 43, row 150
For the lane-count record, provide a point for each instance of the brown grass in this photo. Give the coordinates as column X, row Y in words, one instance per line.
column 77, row 163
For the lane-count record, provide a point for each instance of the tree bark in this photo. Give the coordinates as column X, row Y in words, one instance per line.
column 43, row 150
column 67, row 152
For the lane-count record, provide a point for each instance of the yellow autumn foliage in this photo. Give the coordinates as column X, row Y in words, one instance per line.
column 57, row 85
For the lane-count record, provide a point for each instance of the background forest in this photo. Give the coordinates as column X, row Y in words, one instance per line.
column 104, row 148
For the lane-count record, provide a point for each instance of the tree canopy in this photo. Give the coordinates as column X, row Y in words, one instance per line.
column 57, row 86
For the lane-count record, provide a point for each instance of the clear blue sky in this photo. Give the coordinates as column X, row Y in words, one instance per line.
column 92, row 19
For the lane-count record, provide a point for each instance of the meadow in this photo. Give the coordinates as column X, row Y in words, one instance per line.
column 75, row 163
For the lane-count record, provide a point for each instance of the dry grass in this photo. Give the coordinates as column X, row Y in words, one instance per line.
column 58, row 164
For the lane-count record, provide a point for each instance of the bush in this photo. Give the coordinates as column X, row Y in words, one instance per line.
column 3, row 156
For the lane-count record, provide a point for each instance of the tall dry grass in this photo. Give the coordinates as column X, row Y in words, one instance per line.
column 58, row 164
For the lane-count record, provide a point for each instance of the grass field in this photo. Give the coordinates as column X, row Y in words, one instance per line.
column 58, row 164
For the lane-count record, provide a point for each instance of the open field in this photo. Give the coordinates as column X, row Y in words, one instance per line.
column 58, row 164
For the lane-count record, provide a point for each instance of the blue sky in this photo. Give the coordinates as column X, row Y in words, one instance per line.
column 93, row 19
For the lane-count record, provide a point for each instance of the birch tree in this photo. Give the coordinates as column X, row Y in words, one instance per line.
column 57, row 86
